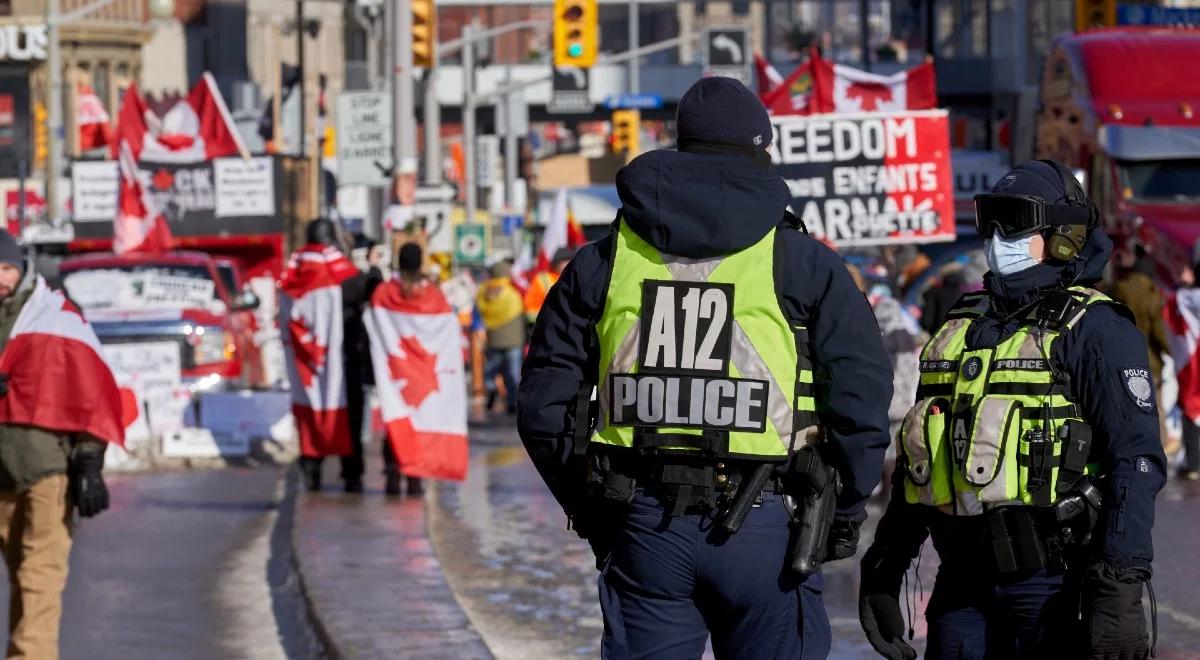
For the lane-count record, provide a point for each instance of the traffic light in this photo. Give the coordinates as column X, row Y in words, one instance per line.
column 1095, row 13
column 41, row 135
column 626, row 131
column 575, row 33
column 424, row 32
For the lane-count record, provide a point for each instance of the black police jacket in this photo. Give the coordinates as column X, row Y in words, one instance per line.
column 1105, row 357
column 699, row 206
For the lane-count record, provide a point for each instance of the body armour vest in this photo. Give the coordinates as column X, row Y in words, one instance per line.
column 994, row 426
column 696, row 355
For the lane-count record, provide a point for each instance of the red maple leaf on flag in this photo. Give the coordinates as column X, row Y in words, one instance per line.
column 869, row 94
column 70, row 307
column 417, row 367
column 310, row 356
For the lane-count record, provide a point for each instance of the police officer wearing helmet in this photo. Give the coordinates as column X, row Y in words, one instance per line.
column 741, row 394
column 1032, row 455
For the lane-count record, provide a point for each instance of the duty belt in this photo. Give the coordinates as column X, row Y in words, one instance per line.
column 683, row 482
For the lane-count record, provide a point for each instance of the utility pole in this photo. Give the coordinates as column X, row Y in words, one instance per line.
column 404, row 147
column 54, row 107
column 433, row 126
column 635, row 63
column 300, row 82
column 468, row 65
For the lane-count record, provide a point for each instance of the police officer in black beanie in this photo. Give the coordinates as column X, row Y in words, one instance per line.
column 738, row 372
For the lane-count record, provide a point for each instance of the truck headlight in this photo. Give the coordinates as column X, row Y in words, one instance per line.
column 210, row 345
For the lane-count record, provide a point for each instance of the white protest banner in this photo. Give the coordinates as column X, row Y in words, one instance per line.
column 94, row 190
column 870, row 178
column 244, row 187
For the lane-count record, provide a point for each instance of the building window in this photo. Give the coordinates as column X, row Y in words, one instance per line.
column 5, row 7
column 100, row 84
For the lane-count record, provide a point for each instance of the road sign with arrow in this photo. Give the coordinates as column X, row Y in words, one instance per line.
column 570, row 94
column 727, row 53
column 364, row 138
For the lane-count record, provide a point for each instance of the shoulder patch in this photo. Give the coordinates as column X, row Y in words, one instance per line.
column 1139, row 387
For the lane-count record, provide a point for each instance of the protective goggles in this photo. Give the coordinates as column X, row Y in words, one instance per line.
column 1016, row 216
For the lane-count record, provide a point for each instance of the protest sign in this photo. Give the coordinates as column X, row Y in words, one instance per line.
column 868, row 179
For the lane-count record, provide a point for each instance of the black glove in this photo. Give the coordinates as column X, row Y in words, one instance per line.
column 87, row 483
column 1112, row 611
column 843, row 535
column 879, row 604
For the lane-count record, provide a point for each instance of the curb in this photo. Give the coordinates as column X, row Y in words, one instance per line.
column 371, row 584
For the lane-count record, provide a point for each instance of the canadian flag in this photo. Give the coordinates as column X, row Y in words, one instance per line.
column 310, row 308
column 93, row 119
column 417, row 356
column 57, row 379
column 138, row 226
column 793, row 96
column 1182, row 313
column 840, row 88
column 767, row 76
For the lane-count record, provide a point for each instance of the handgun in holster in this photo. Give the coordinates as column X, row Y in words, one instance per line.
column 810, row 496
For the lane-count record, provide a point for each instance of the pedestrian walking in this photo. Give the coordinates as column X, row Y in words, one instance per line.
column 59, row 407
column 712, row 329
column 1032, row 455
column 1138, row 290
column 502, row 311
column 321, row 304
column 541, row 283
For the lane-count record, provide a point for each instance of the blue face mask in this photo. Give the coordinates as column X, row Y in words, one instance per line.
column 1006, row 256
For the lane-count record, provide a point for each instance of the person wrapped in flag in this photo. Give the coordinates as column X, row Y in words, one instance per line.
column 420, row 377
column 59, row 409
column 321, row 301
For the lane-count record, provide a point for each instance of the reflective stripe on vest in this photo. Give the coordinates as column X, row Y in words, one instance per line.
column 971, row 440
column 697, row 354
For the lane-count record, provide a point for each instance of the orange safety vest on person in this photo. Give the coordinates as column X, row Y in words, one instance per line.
column 535, row 295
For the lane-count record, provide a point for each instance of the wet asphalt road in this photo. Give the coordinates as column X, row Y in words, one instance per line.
column 186, row 565
column 529, row 584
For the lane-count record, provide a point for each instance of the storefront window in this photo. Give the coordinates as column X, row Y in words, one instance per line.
column 895, row 31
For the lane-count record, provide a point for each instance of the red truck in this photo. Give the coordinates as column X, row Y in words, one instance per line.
column 185, row 297
column 1119, row 106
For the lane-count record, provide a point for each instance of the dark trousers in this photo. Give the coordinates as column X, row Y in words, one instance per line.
column 507, row 363
column 352, row 465
column 972, row 617
column 669, row 583
column 1191, row 445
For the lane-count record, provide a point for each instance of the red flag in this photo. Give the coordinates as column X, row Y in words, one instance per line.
column 310, row 308
column 840, row 88
column 138, row 227
column 1182, row 313
column 94, row 129
column 416, row 353
column 57, row 379
column 766, row 75
column 197, row 128
column 794, row 96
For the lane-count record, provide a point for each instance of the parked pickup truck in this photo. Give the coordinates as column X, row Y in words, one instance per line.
column 183, row 297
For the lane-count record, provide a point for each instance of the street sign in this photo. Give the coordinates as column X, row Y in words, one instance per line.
column 569, row 91
column 633, row 102
column 512, row 115
column 487, row 160
column 364, row 138
column 469, row 245
column 727, row 53
column 511, row 222
column 1150, row 15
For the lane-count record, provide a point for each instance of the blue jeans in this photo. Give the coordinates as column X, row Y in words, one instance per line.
column 669, row 583
column 972, row 617
column 507, row 363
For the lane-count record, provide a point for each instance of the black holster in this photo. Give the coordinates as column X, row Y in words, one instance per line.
column 810, row 496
